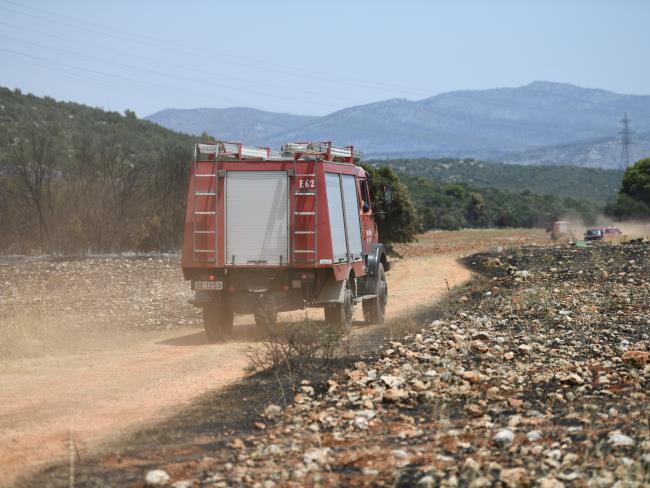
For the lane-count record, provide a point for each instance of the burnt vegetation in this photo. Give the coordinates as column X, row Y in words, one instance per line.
column 538, row 372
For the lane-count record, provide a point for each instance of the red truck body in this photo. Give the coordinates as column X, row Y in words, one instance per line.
column 267, row 232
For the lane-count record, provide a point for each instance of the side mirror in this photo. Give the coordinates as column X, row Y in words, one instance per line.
column 388, row 194
column 366, row 207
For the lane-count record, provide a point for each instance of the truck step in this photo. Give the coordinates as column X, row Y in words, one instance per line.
column 305, row 232
column 364, row 297
column 305, row 213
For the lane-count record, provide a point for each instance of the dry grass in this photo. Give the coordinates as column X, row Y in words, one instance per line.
column 301, row 350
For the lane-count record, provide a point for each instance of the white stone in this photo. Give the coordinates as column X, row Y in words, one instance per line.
column 392, row 381
column 316, row 455
column 504, row 436
column 620, row 440
column 157, row 477
column 534, row 435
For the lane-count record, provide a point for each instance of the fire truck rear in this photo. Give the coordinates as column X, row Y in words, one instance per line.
column 269, row 231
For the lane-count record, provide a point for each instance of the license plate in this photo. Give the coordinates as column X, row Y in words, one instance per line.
column 208, row 285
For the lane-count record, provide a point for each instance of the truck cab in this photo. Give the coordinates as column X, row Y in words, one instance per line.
column 267, row 232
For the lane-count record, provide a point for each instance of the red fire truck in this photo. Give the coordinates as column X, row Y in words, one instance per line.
column 269, row 231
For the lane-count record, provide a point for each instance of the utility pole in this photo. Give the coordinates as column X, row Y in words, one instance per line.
column 626, row 141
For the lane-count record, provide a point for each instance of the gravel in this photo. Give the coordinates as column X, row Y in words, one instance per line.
column 540, row 377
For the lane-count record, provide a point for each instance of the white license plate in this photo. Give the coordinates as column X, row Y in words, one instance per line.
column 208, row 285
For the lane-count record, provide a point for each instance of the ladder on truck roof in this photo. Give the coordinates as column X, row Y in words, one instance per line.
column 305, row 213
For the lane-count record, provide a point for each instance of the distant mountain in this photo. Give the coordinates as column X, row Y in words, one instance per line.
column 231, row 124
column 486, row 124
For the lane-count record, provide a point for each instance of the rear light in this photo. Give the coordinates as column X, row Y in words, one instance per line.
column 285, row 287
column 212, row 277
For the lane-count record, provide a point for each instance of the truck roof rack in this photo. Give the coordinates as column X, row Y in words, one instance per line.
column 325, row 149
column 236, row 150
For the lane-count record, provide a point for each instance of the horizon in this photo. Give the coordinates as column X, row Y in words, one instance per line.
column 105, row 55
column 235, row 107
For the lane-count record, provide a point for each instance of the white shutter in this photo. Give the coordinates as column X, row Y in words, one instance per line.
column 352, row 215
column 335, row 208
column 257, row 217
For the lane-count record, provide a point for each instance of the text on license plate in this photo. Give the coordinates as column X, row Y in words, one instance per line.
column 208, row 285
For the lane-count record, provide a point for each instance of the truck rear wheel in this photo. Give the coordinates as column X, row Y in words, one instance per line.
column 266, row 320
column 374, row 309
column 340, row 314
column 217, row 321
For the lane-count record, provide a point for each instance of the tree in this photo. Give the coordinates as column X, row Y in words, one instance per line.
column 477, row 210
column 33, row 161
column 634, row 197
column 397, row 221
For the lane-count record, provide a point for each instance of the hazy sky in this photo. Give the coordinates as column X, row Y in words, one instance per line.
column 313, row 57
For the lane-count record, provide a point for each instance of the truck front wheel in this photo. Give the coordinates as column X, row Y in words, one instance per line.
column 217, row 321
column 374, row 309
column 340, row 314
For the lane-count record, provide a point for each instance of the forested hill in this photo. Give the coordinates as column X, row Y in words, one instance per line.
column 75, row 178
column 564, row 181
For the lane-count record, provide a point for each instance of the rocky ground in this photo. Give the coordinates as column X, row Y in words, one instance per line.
column 45, row 302
column 539, row 375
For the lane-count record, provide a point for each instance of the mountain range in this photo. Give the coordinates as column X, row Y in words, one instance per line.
column 540, row 123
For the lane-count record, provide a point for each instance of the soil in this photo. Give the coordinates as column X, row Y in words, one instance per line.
column 106, row 356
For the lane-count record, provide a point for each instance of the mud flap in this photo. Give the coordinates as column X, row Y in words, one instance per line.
column 332, row 292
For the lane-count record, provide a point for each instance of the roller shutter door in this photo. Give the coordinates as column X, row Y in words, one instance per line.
column 257, row 217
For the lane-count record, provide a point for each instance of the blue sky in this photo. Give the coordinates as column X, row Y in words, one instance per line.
column 313, row 57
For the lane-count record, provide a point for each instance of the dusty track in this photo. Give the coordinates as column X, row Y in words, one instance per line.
column 139, row 379
column 91, row 397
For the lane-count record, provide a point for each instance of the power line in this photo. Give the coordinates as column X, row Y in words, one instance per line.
column 158, row 61
column 626, row 141
column 212, row 54
column 109, row 75
column 198, row 80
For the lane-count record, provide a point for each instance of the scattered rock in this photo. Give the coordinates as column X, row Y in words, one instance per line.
column 504, row 436
column 157, row 477
column 427, row 481
column 620, row 440
column 637, row 358
column 471, row 376
column 272, row 411
column 316, row 455
column 534, row 435
column 514, row 477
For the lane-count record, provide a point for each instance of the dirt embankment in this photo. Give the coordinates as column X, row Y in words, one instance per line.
column 92, row 348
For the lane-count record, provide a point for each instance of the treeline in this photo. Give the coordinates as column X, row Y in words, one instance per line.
column 452, row 206
column 564, row 181
column 76, row 179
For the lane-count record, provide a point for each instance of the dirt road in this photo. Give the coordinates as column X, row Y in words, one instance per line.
column 91, row 397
